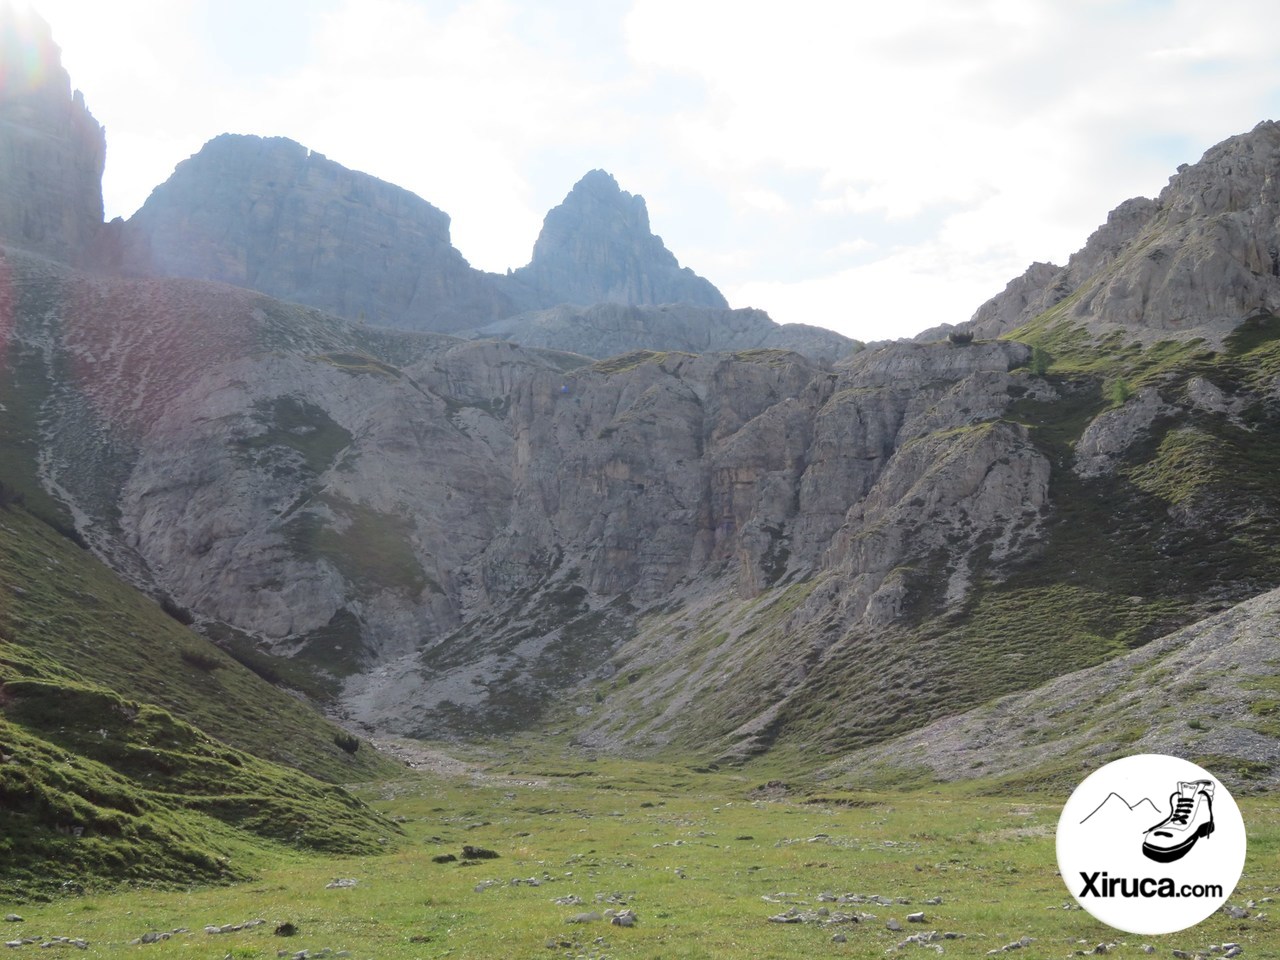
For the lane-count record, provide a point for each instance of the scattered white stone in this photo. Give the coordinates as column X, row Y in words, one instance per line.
column 1016, row 945
column 341, row 882
column 233, row 927
column 915, row 917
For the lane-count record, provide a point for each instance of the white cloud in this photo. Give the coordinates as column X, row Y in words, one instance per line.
column 900, row 294
column 769, row 201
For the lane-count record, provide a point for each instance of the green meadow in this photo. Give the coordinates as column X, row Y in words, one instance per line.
column 704, row 858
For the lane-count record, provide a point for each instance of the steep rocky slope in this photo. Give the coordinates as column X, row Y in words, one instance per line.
column 131, row 748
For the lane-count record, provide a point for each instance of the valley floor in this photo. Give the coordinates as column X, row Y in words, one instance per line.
column 703, row 858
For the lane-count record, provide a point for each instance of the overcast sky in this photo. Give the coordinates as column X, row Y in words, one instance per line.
column 872, row 167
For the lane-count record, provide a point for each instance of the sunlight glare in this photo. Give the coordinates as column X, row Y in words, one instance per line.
column 25, row 64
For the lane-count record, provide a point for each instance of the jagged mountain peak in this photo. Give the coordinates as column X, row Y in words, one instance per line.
column 597, row 193
column 602, row 182
column 596, row 246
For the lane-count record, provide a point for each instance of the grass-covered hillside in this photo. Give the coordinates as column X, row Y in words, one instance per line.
column 133, row 749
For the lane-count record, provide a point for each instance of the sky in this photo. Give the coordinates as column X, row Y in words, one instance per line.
column 875, row 168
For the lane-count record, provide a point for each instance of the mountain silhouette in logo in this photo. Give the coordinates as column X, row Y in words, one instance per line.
column 1117, row 808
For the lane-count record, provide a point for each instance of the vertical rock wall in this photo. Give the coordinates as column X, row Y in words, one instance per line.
column 52, row 151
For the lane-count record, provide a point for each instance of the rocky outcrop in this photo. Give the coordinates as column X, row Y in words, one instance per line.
column 1113, row 433
column 386, row 503
column 1023, row 297
column 270, row 215
column 1202, row 256
column 596, row 247
column 1210, row 252
column 52, row 150
column 609, row 329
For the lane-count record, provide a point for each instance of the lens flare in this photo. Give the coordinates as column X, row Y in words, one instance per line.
column 28, row 54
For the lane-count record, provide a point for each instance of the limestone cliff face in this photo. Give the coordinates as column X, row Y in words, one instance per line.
column 596, row 247
column 269, row 215
column 382, row 504
column 52, row 151
column 660, row 480
column 1203, row 255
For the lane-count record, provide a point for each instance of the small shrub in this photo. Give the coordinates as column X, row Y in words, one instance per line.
column 260, row 667
column 201, row 660
column 478, row 853
column 177, row 611
column 960, row 338
column 1119, row 391
column 1040, row 361
column 347, row 741
column 10, row 497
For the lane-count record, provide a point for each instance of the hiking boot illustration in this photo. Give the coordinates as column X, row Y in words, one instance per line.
column 1190, row 818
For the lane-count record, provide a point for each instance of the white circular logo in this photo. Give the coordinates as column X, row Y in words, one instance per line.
column 1151, row 844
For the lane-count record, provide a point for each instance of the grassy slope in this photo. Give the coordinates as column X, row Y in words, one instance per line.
column 93, row 681
column 66, row 606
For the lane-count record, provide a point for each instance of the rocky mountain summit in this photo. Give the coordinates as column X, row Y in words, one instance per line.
column 52, row 151
column 270, row 215
column 596, row 247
